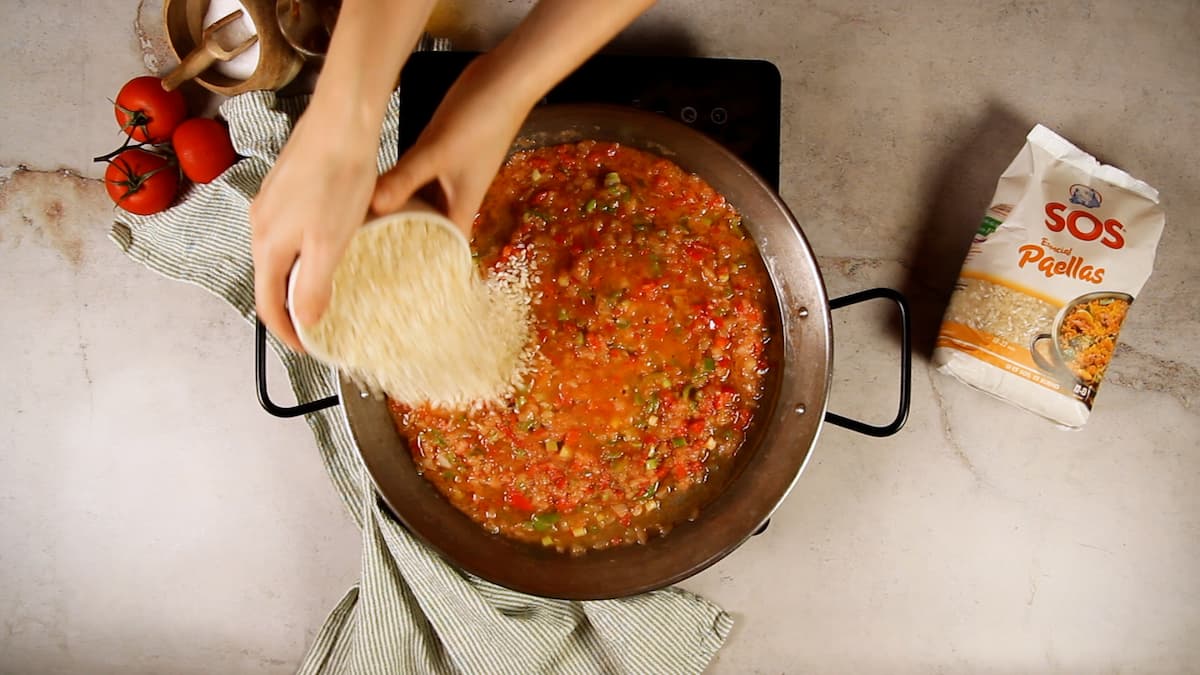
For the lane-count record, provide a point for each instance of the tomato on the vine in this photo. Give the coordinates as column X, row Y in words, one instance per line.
column 141, row 182
column 203, row 148
column 148, row 112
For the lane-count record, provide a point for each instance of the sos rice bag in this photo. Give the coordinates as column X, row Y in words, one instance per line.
column 1062, row 252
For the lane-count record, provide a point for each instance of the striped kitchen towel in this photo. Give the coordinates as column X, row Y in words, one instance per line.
column 411, row 612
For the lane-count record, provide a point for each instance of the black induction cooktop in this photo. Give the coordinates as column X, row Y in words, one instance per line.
column 735, row 101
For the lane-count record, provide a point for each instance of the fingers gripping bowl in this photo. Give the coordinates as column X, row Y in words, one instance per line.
column 778, row 441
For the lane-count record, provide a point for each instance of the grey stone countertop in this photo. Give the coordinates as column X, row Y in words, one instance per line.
column 154, row 519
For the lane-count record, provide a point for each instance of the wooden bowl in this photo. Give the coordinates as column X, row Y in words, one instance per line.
column 278, row 63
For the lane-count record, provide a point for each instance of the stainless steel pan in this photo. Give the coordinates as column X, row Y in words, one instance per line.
column 778, row 445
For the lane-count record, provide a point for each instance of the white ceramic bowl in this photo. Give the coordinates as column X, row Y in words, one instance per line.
column 414, row 209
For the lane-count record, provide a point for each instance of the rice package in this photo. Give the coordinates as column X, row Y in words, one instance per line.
column 1062, row 252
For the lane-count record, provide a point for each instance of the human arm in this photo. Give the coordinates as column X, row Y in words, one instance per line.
column 319, row 190
column 466, row 141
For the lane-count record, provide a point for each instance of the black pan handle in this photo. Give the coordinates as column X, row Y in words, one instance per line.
column 260, row 375
column 905, row 363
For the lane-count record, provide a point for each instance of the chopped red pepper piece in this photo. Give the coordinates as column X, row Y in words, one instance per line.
column 515, row 499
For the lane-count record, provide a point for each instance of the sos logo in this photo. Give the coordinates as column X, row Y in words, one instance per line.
column 1081, row 223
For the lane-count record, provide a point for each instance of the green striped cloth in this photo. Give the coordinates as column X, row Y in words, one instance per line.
column 411, row 612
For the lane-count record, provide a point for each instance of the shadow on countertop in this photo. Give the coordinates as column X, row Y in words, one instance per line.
column 957, row 191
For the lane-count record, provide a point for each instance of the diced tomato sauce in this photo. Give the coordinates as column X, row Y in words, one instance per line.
column 649, row 323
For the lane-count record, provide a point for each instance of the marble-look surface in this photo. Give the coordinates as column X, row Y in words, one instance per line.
column 154, row 520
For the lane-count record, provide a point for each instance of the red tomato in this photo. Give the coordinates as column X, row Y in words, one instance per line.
column 141, row 182
column 203, row 148
column 148, row 112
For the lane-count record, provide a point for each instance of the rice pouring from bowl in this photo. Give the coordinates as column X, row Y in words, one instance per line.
column 410, row 316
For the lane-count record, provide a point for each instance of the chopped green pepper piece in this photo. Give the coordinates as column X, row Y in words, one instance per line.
column 709, row 364
column 590, row 206
column 652, row 463
column 679, row 441
column 542, row 522
column 612, row 178
column 650, row 491
column 652, row 403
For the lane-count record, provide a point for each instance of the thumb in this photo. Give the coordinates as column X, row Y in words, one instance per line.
column 314, row 285
column 396, row 187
